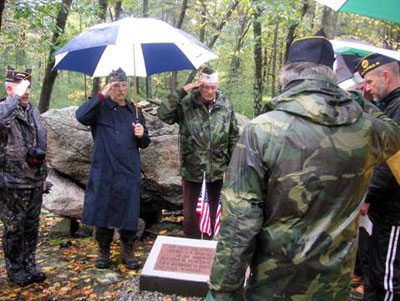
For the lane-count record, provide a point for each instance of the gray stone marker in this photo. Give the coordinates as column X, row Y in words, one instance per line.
column 178, row 266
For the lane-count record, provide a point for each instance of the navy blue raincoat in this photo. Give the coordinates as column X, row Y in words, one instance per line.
column 112, row 197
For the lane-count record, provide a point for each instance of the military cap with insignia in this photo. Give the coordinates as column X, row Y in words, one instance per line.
column 372, row 61
column 118, row 75
column 316, row 48
column 15, row 76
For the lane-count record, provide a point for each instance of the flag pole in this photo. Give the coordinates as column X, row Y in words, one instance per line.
column 204, row 179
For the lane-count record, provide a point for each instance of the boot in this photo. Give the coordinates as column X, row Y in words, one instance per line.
column 20, row 278
column 128, row 238
column 128, row 255
column 103, row 257
column 104, row 238
column 31, row 268
column 36, row 274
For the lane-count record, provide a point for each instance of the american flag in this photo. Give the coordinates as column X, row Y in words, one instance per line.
column 203, row 210
column 218, row 218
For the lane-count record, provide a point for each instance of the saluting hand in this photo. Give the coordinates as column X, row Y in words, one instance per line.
column 106, row 90
column 20, row 89
column 138, row 129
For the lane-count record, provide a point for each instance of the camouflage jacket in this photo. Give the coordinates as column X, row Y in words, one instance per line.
column 207, row 139
column 20, row 130
column 292, row 195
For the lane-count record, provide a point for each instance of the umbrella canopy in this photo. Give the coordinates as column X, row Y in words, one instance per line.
column 385, row 10
column 344, row 69
column 354, row 47
column 140, row 46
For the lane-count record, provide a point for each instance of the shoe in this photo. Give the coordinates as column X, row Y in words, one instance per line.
column 128, row 255
column 357, row 294
column 103, row 258
column 131, row 264
column 37, row 275
column 21, row 278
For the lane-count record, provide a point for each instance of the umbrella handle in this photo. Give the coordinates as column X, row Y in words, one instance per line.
column 137, row 114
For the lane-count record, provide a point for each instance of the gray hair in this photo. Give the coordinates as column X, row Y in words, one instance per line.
column 392, row 67
column 299, row 70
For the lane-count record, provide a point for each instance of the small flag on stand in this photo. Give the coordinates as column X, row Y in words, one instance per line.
column 218, row 218
column 203, row 210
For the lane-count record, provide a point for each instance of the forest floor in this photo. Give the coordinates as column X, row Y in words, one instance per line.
column 69, row 265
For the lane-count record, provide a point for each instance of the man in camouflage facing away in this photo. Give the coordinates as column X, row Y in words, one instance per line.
column 295, row 185
column 23, row 172
column 208, row 133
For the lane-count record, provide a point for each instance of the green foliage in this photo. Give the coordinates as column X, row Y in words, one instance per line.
column 28, row 25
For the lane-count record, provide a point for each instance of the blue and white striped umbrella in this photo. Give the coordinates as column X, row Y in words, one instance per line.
column 140, row 46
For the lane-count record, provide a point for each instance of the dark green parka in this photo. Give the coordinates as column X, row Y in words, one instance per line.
column 207, row 139
column 292, row 195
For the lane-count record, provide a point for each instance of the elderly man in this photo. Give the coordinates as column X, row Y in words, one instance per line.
column 112, row 199
column 295, row 184
column 208, row 133
column 382, row 81
column 23, row 171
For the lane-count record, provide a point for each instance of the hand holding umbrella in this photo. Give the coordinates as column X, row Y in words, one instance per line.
column 138, row 130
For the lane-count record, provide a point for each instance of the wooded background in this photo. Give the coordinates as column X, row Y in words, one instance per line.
column 251, row 38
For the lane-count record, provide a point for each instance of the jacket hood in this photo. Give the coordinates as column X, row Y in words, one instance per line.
column 319, row 100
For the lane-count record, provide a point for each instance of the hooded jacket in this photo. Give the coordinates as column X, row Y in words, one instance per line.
column 207, row 138
column 292, row 195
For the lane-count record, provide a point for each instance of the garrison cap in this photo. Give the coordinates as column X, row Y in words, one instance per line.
column 316, row 48
column 118, row 75
column 372, row 61
column 15, row 76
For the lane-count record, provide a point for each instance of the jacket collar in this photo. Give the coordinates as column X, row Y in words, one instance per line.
column 392, row 95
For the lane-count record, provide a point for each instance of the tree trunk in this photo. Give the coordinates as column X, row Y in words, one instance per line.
column 245, row 23
column 329, row 22
column 50, row 75
column 292, row 28
column 258, row 61
column 118, row 10
column 218, row 30
column 274, row 60
column 173, row 83
column 2, row 4
column 103, row 4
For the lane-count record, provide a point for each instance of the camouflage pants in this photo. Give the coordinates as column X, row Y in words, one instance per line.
column 19, row 212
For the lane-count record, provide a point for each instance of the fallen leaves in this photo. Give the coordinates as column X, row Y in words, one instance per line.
column 69, row 266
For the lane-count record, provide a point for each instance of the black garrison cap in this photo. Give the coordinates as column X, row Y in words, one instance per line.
column 15, row 76
column 372, row 61
column 316, row 48
column 118, row 75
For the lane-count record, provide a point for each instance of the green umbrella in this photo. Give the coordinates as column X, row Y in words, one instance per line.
column 388, row 10
column 359, row 48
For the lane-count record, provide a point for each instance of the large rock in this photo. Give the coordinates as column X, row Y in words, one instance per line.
column 69, row 154
column 69, row 144
column 65, row 198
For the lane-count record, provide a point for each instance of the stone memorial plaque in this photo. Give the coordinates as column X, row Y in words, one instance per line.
column 178, row 266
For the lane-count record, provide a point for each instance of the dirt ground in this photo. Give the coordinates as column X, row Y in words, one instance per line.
column 69, row 264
